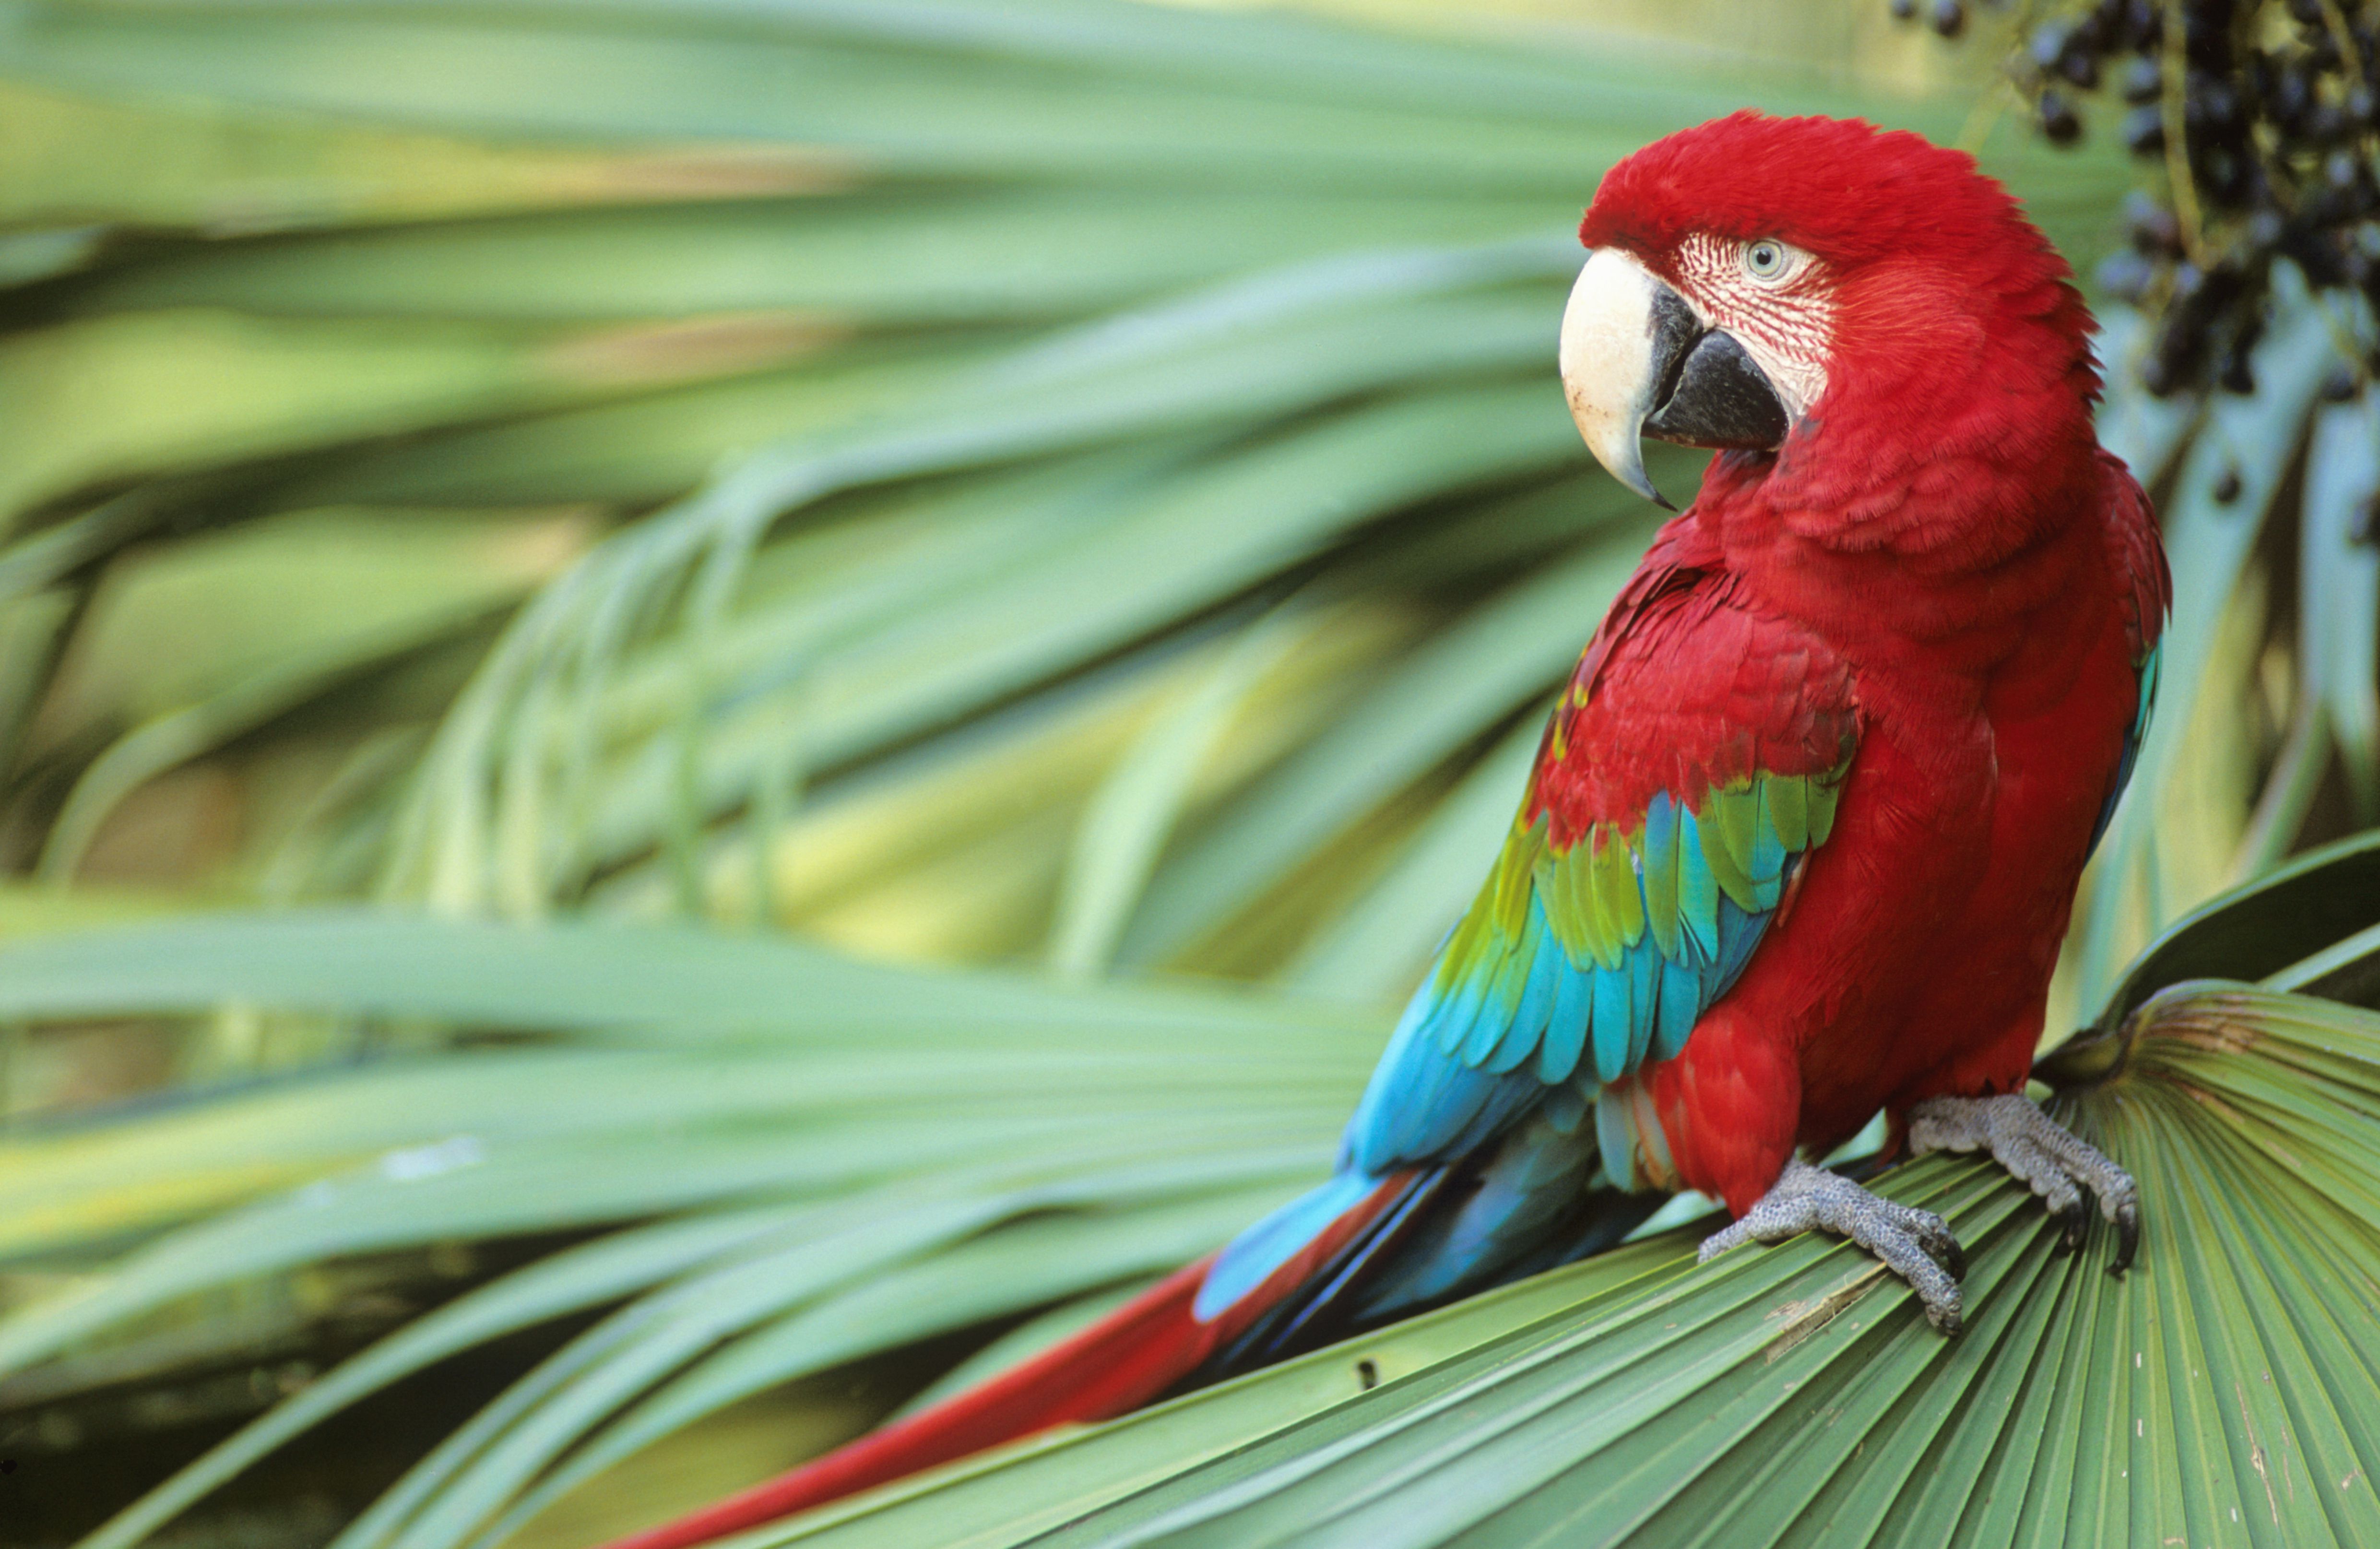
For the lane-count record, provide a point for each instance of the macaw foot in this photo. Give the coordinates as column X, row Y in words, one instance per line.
column 1915, row 1244
column 2054, row 1164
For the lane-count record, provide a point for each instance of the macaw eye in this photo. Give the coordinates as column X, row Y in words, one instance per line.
column 1768, row 260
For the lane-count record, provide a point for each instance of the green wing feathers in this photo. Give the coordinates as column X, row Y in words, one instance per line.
column 1616, row 942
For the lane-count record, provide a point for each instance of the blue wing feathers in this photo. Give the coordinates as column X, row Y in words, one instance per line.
column 1515, row 1008
column 1422, row 1103
column 1489, row 1022
column 1566, row 1027
column 1273, row 1241
column 1614, row 1023
column 1681, row 996
column 1536, row 1177
column 1738, row 933
column 1643, row 999
column 1544, row 965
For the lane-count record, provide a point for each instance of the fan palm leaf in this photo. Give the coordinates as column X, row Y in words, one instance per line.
column 999, row 488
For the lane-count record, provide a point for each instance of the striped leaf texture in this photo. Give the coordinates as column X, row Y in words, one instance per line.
column 711, row 712
column 889, row 1156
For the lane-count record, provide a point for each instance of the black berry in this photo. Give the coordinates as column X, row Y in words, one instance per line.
column 2277, row 136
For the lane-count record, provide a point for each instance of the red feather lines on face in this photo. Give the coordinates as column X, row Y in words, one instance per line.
column 1794, row 322
column 1958, row 379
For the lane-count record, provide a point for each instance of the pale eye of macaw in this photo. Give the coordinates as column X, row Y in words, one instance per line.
column 1772, row 262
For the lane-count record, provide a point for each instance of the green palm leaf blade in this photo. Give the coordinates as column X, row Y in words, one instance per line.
column 2341, row 577
column 1281, row 99
column 522, row 253
column 412, row 1151
column 1797, row 1397
column 274, row 388
column 1792, row 1396
column 948, row 165
column 2270, row 927
column 1033, row 253
column 1225, row 523
column 630, row 984
column 1438, row 700
column 71, row 159
column 1026, row 1261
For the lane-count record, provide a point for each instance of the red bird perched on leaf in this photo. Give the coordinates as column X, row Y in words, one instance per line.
column 1805, row 829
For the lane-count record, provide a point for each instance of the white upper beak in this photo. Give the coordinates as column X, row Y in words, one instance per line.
column 1606, row 363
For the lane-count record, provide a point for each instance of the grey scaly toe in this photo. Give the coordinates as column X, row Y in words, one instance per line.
column 1915, row 1244
column 2052, row 1162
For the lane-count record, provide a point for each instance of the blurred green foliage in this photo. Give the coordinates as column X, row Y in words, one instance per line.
column 510, row 511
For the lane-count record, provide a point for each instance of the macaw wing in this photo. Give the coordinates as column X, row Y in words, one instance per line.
column 1692, row 766
column 2145, row 585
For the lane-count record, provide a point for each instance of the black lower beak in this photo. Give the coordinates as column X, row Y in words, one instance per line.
column 1711, row 393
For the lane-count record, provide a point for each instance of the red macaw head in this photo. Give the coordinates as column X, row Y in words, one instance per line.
column 1754, row 281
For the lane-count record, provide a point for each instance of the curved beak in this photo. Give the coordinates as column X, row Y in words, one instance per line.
column 1637, row 360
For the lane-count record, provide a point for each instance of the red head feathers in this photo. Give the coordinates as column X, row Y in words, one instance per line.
column 1911, row 323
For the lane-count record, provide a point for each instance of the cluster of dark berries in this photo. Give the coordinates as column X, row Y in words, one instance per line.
column 2265, row 115
column 1946, row 17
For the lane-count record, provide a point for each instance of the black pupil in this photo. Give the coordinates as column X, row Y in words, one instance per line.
column 1763, row 256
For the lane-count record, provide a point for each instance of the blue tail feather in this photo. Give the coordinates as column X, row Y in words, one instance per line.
column 1253, row 1255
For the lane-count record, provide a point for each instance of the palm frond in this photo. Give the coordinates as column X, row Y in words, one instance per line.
column 1075, row 485
column 2218, row 1393
column 891, row 1156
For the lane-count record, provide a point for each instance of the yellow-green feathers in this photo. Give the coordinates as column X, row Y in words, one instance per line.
column 1617, row 942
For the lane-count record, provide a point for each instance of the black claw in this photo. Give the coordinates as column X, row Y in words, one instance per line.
column 2128, row 1242
column 2073, row 1226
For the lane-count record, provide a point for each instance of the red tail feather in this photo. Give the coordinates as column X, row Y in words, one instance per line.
column 1116, row 1365
column 1126, row 1359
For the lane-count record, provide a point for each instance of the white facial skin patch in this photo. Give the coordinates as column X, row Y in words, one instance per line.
column 1785, row 324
